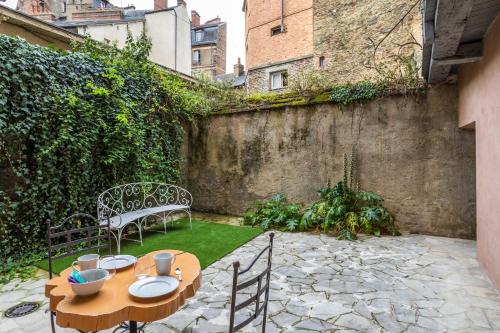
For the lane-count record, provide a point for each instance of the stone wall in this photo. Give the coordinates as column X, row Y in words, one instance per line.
column 344, row 29
column 410, row 151
column 258, row 78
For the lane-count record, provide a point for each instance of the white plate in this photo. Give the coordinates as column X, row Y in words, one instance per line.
column 152, row 287
column 121, row 261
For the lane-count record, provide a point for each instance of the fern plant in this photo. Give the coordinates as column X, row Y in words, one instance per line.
column 275, row 213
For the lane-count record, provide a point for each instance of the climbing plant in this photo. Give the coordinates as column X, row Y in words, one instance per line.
column 75, row 123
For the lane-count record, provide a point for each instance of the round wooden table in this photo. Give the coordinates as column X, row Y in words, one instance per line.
column 113, row 304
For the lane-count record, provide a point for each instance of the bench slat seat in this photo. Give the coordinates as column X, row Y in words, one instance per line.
column 124, row 219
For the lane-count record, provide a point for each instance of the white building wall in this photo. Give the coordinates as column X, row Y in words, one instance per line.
column 114, row 33
column 167, row 49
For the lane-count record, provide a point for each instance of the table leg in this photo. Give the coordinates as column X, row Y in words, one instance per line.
column 133, row 326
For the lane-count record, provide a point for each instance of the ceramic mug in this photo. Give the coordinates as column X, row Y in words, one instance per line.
column 164, row 262
column 85, row 262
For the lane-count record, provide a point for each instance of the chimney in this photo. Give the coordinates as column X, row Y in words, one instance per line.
column 239, row 69
column 195, row 18
column 160, row 4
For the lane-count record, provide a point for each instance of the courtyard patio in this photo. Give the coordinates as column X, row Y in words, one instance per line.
column 411, row 283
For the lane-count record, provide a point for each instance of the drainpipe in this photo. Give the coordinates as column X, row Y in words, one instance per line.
column 175, row 46
column 282, row 15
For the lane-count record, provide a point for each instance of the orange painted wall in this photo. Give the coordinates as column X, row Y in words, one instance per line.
column 297, row 41
column 479, row 103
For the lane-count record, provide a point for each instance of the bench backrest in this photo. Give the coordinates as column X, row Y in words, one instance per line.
column 136, row 196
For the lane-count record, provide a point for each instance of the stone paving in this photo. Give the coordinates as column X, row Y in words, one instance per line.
column 319, row 284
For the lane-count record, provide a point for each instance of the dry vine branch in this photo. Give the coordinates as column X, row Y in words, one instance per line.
column 377, row 45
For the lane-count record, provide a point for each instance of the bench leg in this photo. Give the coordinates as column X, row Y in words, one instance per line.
column 190, row 224
column 140, row 233
column 119, row 240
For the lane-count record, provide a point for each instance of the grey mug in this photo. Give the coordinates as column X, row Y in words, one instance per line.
column 164, row 262
column 85, row 262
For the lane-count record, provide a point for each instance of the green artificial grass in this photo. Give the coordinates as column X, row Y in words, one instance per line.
column 207, row 241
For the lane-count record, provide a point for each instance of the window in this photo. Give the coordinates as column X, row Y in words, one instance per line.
column 278, row 80
column 196, row 57
column 277, row 30
column 198, row 35
column 322, row 62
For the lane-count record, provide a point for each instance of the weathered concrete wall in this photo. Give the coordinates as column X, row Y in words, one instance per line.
column 410, row 151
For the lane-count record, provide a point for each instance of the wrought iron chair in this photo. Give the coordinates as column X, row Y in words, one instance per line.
column 65, row 239
column 262, row 280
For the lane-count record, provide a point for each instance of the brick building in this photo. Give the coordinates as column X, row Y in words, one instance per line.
column 284, row 37
column 208, row 44
column 51, row 10
column 279, row 41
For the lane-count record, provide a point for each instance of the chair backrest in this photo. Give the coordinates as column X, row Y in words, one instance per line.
column 262, row 280
column 135, row 196
column 76, row 234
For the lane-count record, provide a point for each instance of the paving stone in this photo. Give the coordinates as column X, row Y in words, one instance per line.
column 326, row 310
column 455, row 322
column 313, row 324
column 478, row 318
column 405, row 315
column 389, row 323
column 285, row 319
column 354, row 322
column 430, row 324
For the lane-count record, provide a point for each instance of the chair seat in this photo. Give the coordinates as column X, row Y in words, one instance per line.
column 120, row 221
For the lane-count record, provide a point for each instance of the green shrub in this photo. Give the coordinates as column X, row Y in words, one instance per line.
column 75, row 123
column 360, row 92
column 275, row 213
column 345, row 212
column 309, row 82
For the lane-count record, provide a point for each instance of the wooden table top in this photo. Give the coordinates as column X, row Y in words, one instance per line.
column 113, row 304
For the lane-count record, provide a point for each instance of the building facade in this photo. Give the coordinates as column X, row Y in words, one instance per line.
column 279, row 41
column 168, row 27
column 208, row 44
column 462, row 45
column 284, row 37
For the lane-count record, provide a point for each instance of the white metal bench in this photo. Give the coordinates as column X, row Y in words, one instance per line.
column 133, row 204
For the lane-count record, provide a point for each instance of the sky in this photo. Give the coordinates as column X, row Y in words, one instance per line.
column 228, row 10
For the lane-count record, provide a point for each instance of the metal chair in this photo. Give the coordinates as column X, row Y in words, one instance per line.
column 262, row 280
column 65, row 239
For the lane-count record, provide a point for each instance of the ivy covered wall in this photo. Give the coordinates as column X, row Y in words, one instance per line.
column 75, row 123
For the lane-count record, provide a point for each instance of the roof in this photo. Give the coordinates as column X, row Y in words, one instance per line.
column 237, row 81
column 209, row 25
column 129, row 15
column 39, row 27
column 72, row 24
column 453, row 35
